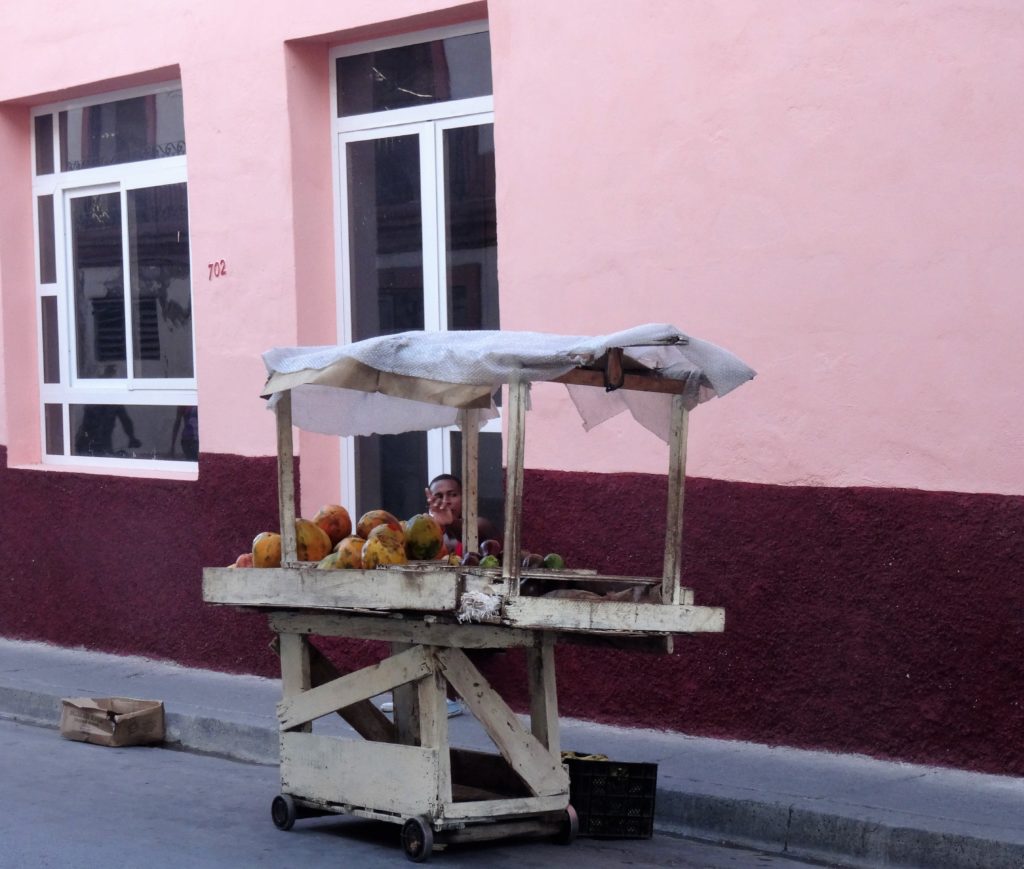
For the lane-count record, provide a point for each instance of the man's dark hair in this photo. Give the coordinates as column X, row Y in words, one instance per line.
column 440, row 478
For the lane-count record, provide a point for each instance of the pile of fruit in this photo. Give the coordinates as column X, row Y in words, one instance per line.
column 378, row 538
column 490, row 555
column 330, row 540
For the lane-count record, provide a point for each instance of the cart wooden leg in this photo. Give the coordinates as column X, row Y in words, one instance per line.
column 406, row 700
column 295, row 669
column 540, row 661
column 431, row 694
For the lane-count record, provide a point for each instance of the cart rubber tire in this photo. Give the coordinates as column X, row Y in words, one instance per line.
column 570, row 827
column 283, row 812
column 417, row 839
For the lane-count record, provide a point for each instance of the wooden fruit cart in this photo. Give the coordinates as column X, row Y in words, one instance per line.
column 405, row 771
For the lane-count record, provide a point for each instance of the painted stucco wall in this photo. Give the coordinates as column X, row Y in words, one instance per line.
column 831, row 190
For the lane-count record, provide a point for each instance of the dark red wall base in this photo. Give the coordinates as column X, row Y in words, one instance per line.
column 880, row 621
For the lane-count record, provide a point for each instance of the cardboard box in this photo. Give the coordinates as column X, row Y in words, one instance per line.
column 114, row 721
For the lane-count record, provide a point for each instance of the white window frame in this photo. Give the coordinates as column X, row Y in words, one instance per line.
column 415, row 120
column 70, row 389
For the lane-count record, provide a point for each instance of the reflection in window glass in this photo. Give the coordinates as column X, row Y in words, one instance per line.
column 47, row 252
column 160, row 283
column 135, row 431
column 99, row 285
column 385, row 236
column 51, row 339
column 53, row 416
column 123, row 131
column 44, row 144
column 392, row 473
column 471, row 236
column 414, row 75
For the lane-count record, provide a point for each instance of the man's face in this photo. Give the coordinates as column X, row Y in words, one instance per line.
column 447, row 495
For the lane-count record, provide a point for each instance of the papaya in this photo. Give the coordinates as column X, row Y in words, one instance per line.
column 371, row 519
column 424, row 538
column 328, row 562
column 384, row 545
column 311, row 541
column 350, row 553
column 335, row 521
column 266, row 549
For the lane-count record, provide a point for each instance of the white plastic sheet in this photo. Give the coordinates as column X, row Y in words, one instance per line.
column 418, row 380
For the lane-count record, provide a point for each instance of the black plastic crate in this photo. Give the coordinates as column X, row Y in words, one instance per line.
column 613, row 800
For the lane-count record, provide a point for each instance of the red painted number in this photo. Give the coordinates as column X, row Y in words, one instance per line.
column 217, row 269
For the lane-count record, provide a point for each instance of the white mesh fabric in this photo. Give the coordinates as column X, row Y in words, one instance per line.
column 341, row 390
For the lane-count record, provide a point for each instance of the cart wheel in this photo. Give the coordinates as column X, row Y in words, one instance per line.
column 283, row 812
column 570, row 827
column 417, row 839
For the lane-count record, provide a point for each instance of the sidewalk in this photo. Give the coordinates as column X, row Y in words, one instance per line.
column 843, row 809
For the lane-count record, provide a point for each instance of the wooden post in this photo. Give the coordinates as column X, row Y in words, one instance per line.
column 674, row 515
column 406, row 706
column 517, row 396
column 286, row 478
column 540, row 662
column 469, row 419
column 295, row 668
column 432, row 692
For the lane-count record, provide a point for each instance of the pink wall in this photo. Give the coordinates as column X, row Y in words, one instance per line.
column 831, row 190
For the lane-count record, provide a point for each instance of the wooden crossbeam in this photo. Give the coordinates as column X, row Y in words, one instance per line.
column 361, row 685
column 532, row 762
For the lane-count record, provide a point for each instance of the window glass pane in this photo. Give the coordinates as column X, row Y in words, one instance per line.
column 135, row 431
column 385, row 236
column 160, row 282
column 44, row 144
column 53, row 416
column 99, row 285
column 123, row 131
column 471, row 237
column 490, row 476
column 51, row 342
column 391, row 473
column 415, row 75
column 47, row 257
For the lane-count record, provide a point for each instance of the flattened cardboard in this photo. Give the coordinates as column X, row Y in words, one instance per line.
column 113, row 721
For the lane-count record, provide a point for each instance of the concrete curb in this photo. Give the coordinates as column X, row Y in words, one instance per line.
column 767, row 824
column 823, row 836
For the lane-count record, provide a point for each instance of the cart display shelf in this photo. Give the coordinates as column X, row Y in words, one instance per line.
column 404, row 770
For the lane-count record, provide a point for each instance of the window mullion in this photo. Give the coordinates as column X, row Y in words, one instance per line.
column 433, row 319
column 126, row 292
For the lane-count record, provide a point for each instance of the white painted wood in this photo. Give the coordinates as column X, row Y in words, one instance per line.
column 361, row 685
column 409, row 630
column 504, row 808
column 397, row 778
column 515, row 455
column 295, row 666
column 309, row 588
column 286, row 477
column 431, row 693
column 540, row 663
column 406, row 712
column 542, row 773
column 674, row 514
column 586, row 615
column 470, row 423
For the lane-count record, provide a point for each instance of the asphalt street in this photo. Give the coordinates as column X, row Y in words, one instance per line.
column 70, row 804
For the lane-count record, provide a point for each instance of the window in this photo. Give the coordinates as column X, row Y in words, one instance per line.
column 414, row 132
column 114, row 281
